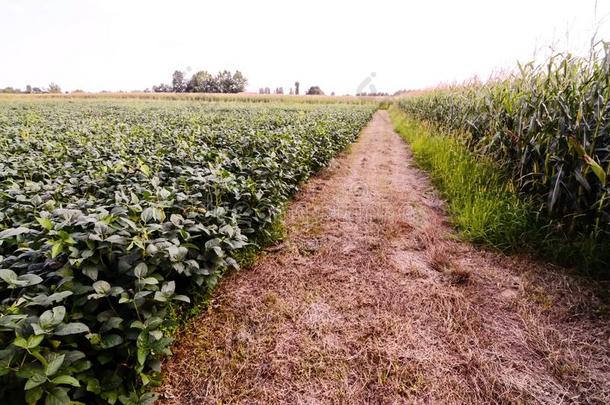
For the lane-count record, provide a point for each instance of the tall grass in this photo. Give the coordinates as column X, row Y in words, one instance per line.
column 546, row 127
column 479, row 199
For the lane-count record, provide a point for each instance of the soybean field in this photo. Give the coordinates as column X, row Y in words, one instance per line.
column 114, row 213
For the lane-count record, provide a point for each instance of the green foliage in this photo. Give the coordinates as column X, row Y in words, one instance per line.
column 314, row 91
column 479, row 198
column 54, row 88
column 204, row 82
column 114, row 215
column 547, row 129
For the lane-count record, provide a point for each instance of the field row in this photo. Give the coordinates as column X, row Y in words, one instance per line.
column 112, row 214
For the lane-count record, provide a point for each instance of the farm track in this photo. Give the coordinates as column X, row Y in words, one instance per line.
column 371, row 299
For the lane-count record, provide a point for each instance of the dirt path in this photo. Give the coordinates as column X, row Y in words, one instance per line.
column 371, row 299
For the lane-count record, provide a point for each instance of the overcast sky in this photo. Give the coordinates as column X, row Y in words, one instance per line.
column 131, row 45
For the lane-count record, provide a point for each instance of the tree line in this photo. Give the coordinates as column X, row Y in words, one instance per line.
column 313, row 90
column 204, row 82
column 53, row 88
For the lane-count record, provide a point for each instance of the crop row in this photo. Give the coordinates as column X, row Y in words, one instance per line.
column 548, row 127
column 113, row 213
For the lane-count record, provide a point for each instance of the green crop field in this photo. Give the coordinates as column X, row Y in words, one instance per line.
column 546, row 129
column 113, row 213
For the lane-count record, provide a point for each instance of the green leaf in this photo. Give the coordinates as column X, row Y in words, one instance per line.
column 159, row 296
column 34, row 341
column 71, row 329
column 51, row 318
column 147, row 214
column 182, row 298
column 102, row 287
column 12, row 232
column 91, row 272
column 65, row 379
column 45, row 223
column 150, row 281
column 157, row 334
column 142, row 354
column 111, row 341
column 54, row 364
column 145, row 169
column 168, row 288
column 597, row 169
column 9, row 276
column 117, row 239
column 30, row 279
column 141, row 270
column 32, row 396
column 57, row 248
column 35, row 381
column 20, row 342
column 148, row 398
column 57, row 396
column 93, row 385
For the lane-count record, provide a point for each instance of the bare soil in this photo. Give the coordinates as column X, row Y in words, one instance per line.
column 371, row 298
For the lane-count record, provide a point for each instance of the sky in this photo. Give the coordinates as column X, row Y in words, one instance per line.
column 341, row 46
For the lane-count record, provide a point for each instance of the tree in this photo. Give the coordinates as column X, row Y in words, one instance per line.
column 178, row 82
column 279, row 90
column 296, row 87
column 162, row 88
column 203, row 82
column 54, row 88
column 291, row 91
column 239, row 82
column 231, row 83
column 28, row 89
column 224, row 81
column 315, row 91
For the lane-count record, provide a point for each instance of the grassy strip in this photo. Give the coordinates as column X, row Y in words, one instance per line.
column 479, row 200
column 484, row 206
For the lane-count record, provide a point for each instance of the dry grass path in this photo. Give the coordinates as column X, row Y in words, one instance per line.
column 371, row 299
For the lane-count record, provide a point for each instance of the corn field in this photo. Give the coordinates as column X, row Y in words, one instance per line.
column 547, row 126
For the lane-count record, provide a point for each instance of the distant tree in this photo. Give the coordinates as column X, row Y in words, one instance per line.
column 332, row 94
column 296, row 87
column 203, row 82
column 178, row 82
column 28, row 89
column 77, row 91
column 279, row 90
column 239, row 82
column 224, row 81
column 162, row 88
column 54, row 88
column 261, row 91
column 231, row 83
column 291, row 91
column 267, row 90
column 315, row 91
column 37, row 90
